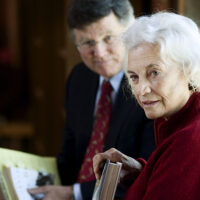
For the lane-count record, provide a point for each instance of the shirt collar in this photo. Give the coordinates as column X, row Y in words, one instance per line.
column 114, row 81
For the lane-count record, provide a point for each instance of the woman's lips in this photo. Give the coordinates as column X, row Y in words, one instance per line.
column 149, row 103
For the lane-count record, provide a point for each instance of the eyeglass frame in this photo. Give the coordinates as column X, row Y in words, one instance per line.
column 89, row 44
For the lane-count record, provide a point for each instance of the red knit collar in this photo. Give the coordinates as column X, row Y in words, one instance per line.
column 164, row 127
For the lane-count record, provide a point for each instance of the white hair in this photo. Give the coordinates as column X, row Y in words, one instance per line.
column 177, row 36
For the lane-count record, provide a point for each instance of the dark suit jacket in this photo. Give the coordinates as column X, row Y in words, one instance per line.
column 130, row 131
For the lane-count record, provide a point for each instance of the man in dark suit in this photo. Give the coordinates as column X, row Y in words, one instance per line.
column 96, row 27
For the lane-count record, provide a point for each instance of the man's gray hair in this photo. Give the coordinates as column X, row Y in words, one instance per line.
column 85, row 12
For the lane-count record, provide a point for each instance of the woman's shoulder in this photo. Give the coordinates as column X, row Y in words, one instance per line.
column 188, row 137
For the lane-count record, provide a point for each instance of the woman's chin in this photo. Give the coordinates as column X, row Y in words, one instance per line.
column 151, row 115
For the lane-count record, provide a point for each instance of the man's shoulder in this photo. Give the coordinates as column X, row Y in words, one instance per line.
column 82, row 70
column 82, row 78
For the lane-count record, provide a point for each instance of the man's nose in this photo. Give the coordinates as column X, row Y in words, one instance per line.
column 99, row 49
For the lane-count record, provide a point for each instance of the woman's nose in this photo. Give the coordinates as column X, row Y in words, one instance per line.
column 144, row 88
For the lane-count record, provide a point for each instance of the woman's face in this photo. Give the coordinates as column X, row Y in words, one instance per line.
column 161, row 90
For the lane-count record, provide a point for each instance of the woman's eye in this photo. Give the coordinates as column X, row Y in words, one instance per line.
column 154, row 73
column 134, row 78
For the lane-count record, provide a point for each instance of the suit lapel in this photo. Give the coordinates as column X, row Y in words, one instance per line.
column 88, row 99
column 123, row 105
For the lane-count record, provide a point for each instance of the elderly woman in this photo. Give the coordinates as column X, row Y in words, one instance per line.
column 164, row 73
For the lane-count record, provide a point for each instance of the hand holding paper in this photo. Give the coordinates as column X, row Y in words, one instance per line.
column 54, row 192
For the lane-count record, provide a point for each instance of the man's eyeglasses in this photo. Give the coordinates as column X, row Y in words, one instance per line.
column 89, row 45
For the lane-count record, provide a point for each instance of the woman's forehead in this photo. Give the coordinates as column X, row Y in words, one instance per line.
column 144, row 54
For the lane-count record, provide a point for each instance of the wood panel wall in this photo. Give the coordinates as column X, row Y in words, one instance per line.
column 48, row 55
column 45, row 32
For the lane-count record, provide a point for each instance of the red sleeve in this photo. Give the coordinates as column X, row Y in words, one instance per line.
column 142, row 161
column 176, row 173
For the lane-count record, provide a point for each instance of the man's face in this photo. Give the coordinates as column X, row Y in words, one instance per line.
column 100, row 46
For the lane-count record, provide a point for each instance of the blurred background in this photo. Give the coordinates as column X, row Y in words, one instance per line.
column 36, row 57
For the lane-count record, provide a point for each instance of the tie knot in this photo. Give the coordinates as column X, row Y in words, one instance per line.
column 106, row 87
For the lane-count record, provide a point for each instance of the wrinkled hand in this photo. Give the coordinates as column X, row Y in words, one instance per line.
column 52, row 192
column 131, row 168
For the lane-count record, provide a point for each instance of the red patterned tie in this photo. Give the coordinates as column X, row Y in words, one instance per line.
column 99, row 132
